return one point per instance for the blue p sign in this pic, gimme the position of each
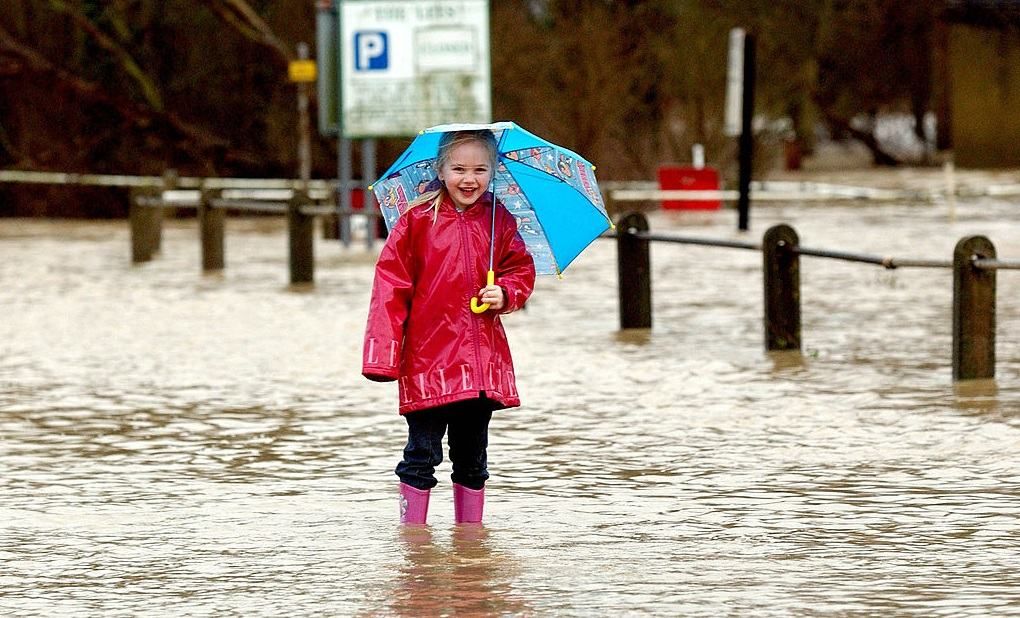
(371, 51)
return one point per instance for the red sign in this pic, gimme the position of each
(682, 178)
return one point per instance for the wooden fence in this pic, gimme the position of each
(299, 206)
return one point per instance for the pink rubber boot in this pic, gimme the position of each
(414, 504)
(468, 504)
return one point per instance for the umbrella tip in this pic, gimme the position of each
(593, 168)
(370, 187)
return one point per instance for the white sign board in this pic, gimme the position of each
(411, 64)
(733, 125)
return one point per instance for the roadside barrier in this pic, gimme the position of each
(300, 201)
(298, 205)
(974, 267)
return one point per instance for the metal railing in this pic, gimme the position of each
(974, 266)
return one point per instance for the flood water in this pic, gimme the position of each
(180, 444)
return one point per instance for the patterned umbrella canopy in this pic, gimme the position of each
(550, 191)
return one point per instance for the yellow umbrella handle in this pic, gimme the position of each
(475, 307)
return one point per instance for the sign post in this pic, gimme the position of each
(740, 77)
(302, 71)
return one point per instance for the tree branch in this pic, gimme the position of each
(242, 18)
(139, 114)
(149, 90)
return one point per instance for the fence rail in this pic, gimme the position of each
(974, 266)
(156, 182)
(300, 207)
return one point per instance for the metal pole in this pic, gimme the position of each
(368, 176)
(746, 155)
(973, 310)
(304, 126)
(344, 186)
(782, 288)
(328, 58)
(634, 272)
(343, 147)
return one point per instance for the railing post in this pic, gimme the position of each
(782, 288)
(973, 310)
(300, 227)
(635, 273)
(141, 216)
(210, 229)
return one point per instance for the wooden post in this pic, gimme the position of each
(635, 273)
(331, 225)
(170, 181)
(973, 310)
(210, 228)
(782, 288)
(142, 221)
(300, 227)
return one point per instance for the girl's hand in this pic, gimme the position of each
(493, 295)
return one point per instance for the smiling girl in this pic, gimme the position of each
(452, 365)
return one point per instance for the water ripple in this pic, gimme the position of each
(205, 445)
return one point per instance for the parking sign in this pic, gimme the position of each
(370, 53)
(410, 64)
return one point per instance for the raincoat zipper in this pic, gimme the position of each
(474, 319)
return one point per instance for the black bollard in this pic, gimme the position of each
(210, 228)
(301, 228)
(973, 310)
(782, 288)
(635, 272)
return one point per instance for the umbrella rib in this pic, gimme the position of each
(552, 254)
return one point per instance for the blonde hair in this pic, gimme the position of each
(432, 199)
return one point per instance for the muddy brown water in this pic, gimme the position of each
(180, 444)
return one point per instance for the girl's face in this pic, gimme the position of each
(467, 173)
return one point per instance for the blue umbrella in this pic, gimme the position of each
(550, 190)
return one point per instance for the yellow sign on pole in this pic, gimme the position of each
(301, 70)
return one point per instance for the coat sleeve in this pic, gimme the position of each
(515, 272)
(388, 310)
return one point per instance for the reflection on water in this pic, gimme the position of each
(464, 574)
(204, 445)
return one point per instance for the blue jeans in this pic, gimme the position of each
(467, 423)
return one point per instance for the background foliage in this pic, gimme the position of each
(138, 86)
